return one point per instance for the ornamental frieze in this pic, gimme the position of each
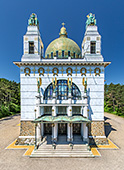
(41, 71)
(27, 71)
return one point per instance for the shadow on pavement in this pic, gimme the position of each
(108, 127)
(9, 117)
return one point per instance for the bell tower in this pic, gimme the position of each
(91, 45)
(32, 42)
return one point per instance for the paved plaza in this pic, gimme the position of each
(14, 159)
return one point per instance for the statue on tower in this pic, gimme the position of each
(33, 21)
(91, 20)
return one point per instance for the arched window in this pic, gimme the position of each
(62, 91)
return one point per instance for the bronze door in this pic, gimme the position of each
(77, 128)
(47, 128)
(62, 128)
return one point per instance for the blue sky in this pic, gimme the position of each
(14, 16)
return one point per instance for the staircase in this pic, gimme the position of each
(46, 150)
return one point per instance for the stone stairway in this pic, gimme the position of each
(46, 150)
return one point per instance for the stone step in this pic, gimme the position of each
(62, 156)
(64, 149)
(58, 153)
(55, 151)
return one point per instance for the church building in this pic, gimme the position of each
(62, 89)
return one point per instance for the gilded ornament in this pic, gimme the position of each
(34, 70)
(76, 70)
(90, 70)
(41, 71)
(83, 71)
(62, 70)
(69, 84)
(54, 83)
(39, 83)
(26, 39)
(69, 71)
(97, 71)
(27, 71)
(53, 124)
(48, 71)
(55, 71)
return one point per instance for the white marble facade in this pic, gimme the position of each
(95, 90)
(92, 65)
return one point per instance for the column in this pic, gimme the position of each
(69, 132)
(55, 125)
(38, 114)
(69, 125)
(42, 125)
(85, 113)
(85, 132)
(82, 131)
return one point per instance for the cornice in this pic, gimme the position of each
(60, 63)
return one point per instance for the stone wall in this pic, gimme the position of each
(27, 128)
(97, 133)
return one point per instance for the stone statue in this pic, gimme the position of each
(91, 20)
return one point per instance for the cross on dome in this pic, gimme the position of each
(63, 24)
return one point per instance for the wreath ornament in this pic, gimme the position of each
(97, 71)
(69, 71)
(55, 71)
(83, 71)
(41, 71)
(27, 71)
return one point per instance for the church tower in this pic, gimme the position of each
(32, 42)
(91, 45)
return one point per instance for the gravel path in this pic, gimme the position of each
(13, 159)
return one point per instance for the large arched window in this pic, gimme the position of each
(62, 91)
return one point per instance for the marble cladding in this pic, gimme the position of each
(95, 87)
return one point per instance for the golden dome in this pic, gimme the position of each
(63, 47)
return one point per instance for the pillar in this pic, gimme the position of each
(42, 125)
(38, 114)
(69, 125)
(55, 125)
(55, 132)
(85, 132)
(69, 132)
(85, 113)
(82, 130)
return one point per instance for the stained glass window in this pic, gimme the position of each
(62, 91)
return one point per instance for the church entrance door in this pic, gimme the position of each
(62, 129)
(77, 128)
(47, 128)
